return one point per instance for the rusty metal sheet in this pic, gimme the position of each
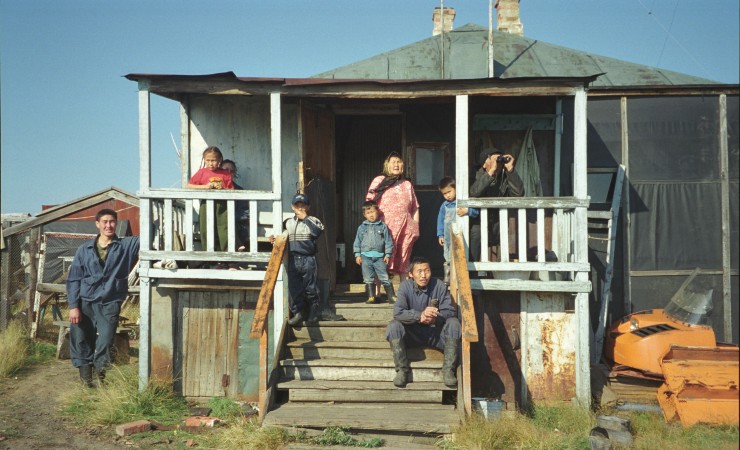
(495, 361)
(550, 339)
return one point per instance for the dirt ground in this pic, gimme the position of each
(30, 416)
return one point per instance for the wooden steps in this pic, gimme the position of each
(340, 374)
(422, 420)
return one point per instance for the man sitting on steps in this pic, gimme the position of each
(424, 316)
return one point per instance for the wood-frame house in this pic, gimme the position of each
(280, 125)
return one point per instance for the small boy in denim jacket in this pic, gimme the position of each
(448, 213)
(373, 247)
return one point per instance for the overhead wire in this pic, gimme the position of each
(668, 33)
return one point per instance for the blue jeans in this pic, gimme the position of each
(372, 267)
(90, 340)
(302, 281)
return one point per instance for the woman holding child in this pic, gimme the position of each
(397, 202)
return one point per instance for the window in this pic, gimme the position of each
(429, 163)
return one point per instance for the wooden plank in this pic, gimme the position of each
(358, 373)
(580, 239)
(145, 138)
(343, 352)
(37, 295)
(530, 285)
(725, 214)
(627, 216)
(351, 395)
(200, 194)
(525, 202)
(360, 385)
(263, 374)
(462, 174)
(423, 419)
(340, 333)
(466, 379)
(503, 228)
(205, 274)
(522, 234)
(261, 258)
(463, 293)
(265, 297)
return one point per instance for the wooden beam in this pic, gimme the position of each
(725, 217)
(463, 292)
(263, 301)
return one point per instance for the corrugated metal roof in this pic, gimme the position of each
(466, 57)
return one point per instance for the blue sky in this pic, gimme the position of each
(69, 118)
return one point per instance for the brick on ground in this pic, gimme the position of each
(139, 426)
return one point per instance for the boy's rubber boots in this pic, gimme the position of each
(370, 293)
(313, 316)
(296, 319)
(390, 293)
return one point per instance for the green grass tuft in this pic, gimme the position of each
(119, 400)
(224, 408)
(15, 347)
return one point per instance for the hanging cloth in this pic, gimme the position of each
(528, 167)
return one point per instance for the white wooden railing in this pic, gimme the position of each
(173, 214)
(550, 275)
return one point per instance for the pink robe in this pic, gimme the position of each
(397, 206)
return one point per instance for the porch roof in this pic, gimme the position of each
(227, 83)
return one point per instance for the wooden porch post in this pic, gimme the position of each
(145, 182)
(276, 145)
(725, 194)
(580, 130)
(461, 159)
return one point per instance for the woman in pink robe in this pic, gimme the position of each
(400, 210)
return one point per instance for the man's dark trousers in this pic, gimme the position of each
(91, 340)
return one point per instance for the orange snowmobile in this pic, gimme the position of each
(640, 340)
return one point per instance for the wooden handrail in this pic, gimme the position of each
(463, 295)
(268, 287)
(462, 292)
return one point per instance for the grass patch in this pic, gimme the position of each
(651, 432)
(15, 347)
(340, 436)
(244, 433)
(548, 427)
(224, 408)
(120, 401)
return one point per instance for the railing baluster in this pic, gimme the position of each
(541, 235)
(189, 224)
(522, 234)
(167, 224)
(253, 221)
(503, 220)
(484, 235)
(231, 221)
(210, 229)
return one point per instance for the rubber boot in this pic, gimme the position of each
(390, 293)
(452, 354)
(401, 360)
(296, 320)
(370, 288)
(326, 313)
(86, 375)
(101, 376)
(313, 316)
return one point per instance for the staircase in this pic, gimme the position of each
(340, 374)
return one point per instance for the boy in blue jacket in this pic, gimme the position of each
(448, 212)
(373, 247)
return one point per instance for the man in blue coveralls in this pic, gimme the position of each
(96, 286)
(424, 316)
